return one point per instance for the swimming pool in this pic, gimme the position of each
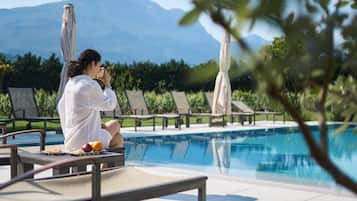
(271, 154)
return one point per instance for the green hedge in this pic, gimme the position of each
(163, 103)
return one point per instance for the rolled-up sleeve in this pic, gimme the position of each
(101, 100)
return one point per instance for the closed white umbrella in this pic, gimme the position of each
(68, 44)
(221, 104)
(222, 90)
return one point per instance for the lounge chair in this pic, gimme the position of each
(246, 109)
(116, 114)
(113, 113)
(7, 158)
(139, 108)
(240, 115)
(183, 109)
(125, 184)
(23, 107)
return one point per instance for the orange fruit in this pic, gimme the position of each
(97, 145)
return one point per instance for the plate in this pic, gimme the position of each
(53, 153)
(80, 152)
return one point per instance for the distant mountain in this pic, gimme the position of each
(123, 31)
(255, 42)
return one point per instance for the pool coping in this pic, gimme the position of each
(203, 128)
(253, 181)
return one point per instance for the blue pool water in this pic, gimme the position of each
(33, 139)
(273, 154)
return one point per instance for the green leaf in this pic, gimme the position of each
(354, 5)
(324, 4)
(190, 17)
(343, 4)
(342, 128)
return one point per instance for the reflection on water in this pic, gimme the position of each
(280, 152)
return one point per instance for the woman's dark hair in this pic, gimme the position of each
(85, 58)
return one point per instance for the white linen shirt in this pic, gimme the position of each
(79, 111)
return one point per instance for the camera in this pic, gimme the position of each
(100, 74)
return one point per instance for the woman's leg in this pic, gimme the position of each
(113, 127)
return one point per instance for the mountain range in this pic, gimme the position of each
(122, 31)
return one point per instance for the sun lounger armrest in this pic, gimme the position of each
(13, 157)
(96, 173)
(22, 132)
(66, 162)
(163, 189)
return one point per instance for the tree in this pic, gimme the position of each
(5, 70)
(313, 24)
(27, 71)
(50, 71)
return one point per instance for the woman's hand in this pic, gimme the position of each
(106, 78)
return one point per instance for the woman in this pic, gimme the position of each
(80, 105)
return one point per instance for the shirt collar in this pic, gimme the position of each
(82, 77)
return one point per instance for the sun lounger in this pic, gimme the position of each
(183, 109)
(240, 115)
(125, 184)
(113, 113)
(6, 157)
(23, 107)
(117, 114)
(246, 109)
(139, 108)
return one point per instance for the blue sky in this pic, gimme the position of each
(263, 30)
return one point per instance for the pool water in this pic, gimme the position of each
(273, 154)
(33, 139)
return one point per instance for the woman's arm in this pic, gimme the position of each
(99, 100)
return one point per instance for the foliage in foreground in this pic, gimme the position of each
(309, 55)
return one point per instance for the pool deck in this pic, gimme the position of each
(203, 128)
(231, 188)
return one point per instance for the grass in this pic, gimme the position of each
(20, 125)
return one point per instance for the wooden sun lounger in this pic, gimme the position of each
(183, 109)
(125, 184)
(240, 115)
(140, 111)
(246, 109)
(24, 107)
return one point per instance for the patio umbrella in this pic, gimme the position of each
(68, 44)
(221, 148)
(222, 90)
(221, 104)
